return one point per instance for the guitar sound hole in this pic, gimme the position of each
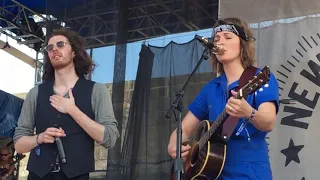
(195, 154)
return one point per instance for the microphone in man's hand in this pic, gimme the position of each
(60, 148)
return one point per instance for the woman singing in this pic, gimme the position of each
(247, 150)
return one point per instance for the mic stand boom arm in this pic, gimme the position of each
(177, 105)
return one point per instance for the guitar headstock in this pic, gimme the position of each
(255, 83)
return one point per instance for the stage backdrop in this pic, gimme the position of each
(291, 47)
(162, 72)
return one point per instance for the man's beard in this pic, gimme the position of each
(60, 64)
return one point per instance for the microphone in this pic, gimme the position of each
(287, 101)
(216, 48)
(58, 140)
(61, 150)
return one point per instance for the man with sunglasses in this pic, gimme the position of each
(67, 109)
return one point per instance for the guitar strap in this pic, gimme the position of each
(231, 122)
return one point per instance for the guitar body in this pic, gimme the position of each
(205, 163)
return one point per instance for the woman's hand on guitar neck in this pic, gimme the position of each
(238, 107)
(172, 148)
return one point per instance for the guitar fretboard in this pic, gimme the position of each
(215, 125)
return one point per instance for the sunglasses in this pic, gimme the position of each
(59, 44)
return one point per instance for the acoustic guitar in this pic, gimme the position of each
(207, 155)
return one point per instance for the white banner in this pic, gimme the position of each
(267, 10)
(293, 51)
(291, 48)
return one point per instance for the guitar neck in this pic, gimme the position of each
(213, 128)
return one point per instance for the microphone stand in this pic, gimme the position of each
(178, 106)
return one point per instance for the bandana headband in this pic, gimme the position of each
(230, 28)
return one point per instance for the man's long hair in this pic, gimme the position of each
(83, 63)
